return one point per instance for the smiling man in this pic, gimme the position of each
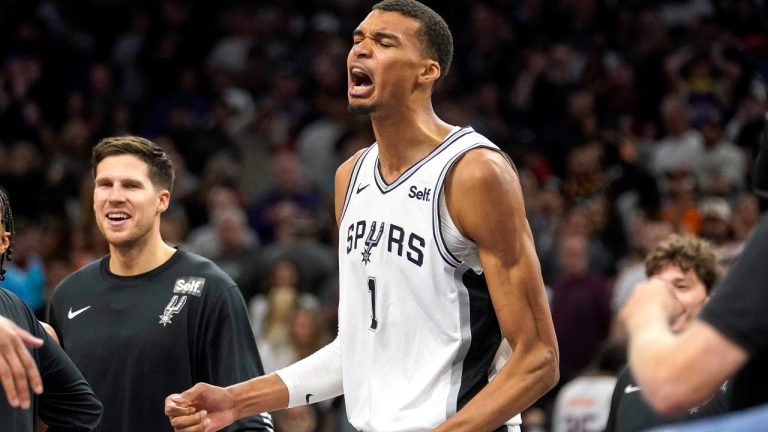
(444, 324)
(149, 319)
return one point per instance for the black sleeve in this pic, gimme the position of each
(760, 176)
(228, 353)
(67, 402)
(621, 381)
(737, 308)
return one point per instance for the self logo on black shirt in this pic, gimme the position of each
(189, 285)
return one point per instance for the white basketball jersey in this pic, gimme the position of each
(419, 336)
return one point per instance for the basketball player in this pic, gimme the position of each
(148, 319)
(689, 265)
(725, 342)
(61, 398)
(443, 320)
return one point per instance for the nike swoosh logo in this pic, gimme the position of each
(361, 188)
(309, 395)
(71, 314)
(631, 388)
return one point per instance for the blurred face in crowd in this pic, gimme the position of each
(688, 289)
(573, 255)
(126, 203)
(385, 61)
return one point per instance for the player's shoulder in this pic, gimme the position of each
(345, 169)
(192, 265)
(480, 165)
(14, 308)
(87, 276)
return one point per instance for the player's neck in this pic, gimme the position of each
(140, 257)
(406, 137)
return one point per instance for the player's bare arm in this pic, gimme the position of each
(208, 408)
(690, 373)
(485, 201)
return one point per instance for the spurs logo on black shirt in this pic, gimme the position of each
(174, 307)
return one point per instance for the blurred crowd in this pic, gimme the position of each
(627, 120)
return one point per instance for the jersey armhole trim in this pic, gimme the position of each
(353, 180)
(437, 231)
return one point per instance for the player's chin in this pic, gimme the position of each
(357, 107)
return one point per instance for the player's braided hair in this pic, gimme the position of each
(434, 32)
(9, 227)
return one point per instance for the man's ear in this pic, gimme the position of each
(431, 72)
(164, 201)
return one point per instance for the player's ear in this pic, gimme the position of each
(430, 72)
(164, 200)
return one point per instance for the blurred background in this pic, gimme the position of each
(628, 120)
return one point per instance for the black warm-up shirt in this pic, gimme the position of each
(739, 310)
(67, 402)
(138, 339)
(631, 413)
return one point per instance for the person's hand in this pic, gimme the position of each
(651, 296)
(203, 408)
(18, 371)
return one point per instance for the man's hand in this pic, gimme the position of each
(18, 371)
(203, 408)
(651, 296)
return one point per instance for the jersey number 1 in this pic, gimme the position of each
(372, 291)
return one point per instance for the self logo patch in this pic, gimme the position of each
(189, 285)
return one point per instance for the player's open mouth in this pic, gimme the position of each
(117, 218)
(360, 83)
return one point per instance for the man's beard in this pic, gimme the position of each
(361, 108)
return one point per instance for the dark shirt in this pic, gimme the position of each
(630, 412)
(739, 310)
(67, 402)
(138, 339)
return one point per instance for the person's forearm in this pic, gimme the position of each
(658, 365)
(259, 395)
(520, 383)
(650, 344)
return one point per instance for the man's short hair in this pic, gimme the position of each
(434, 33)
(688, 253)
(160, 166)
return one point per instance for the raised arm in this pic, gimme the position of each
(486, 203)
(676, 371)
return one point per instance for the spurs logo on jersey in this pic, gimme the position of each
(174, 307)
(395, 241)
(372, 241)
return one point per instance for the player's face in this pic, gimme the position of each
(384, 62)
(5, 237)
(126, 203)
(688, 289)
